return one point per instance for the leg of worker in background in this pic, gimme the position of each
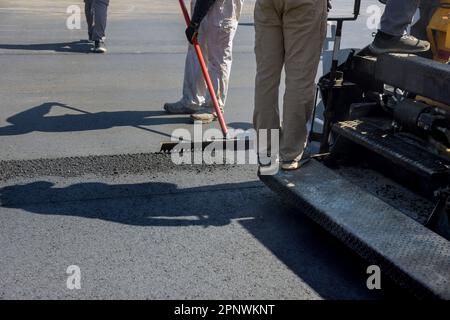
(194, 85)
(222, 22)
(89, 12)
(100, 19)
(215, 35)
(289, 33)
(391, 37)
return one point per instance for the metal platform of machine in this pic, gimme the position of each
(398, 151)
(412, 255)
(412, 73)
(422, 76)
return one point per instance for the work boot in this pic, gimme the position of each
(179, 108)
(385, 43)
(99, 46)
(205, 115)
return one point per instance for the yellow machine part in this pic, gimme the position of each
(439, 33)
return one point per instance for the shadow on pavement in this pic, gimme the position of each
(35, 119)
(318, 259)
(43, 198)
(241, 125)
(82, 46)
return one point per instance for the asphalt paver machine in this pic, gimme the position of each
(389, 114)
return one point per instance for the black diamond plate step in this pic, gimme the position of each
(412, 255)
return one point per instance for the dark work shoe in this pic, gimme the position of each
(99, 47)
(384, 43)
(180, 107)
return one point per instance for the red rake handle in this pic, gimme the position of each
(212, 92)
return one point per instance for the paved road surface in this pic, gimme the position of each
(58, 101)
(136, 225)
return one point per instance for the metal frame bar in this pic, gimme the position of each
(356, 12)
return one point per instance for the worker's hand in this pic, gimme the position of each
(329, 5)
(191, 33)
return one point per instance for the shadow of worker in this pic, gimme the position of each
(82, 46)
(36, 119)
(141, 204)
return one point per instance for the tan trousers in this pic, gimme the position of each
(289, 33)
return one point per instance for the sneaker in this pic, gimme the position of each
(179, 108)
(205, 115)
(290, 165)
(99, 47)
(296, 164)
(385, 43)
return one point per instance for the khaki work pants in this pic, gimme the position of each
(289, 33)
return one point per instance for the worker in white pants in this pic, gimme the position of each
(214, 23)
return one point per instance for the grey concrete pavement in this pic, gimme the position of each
(117, 109)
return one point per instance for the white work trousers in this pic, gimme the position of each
(215, 36)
